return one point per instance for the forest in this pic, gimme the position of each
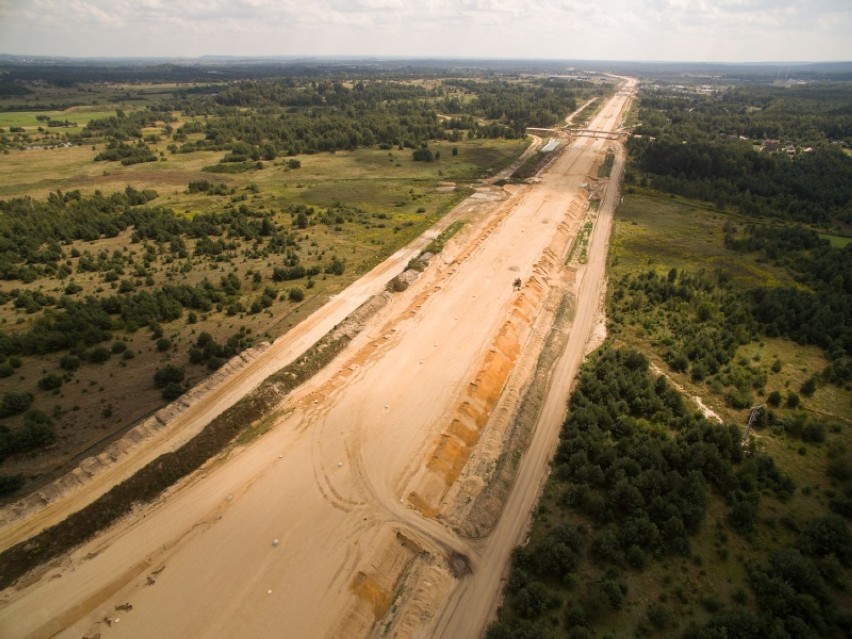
(632, 480)
(716, 148)
(263, 119)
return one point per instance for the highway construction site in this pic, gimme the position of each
(383, 495)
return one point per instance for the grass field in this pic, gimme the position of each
(837, 241)
(659, 231)
(28, 119)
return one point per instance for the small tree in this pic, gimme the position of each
(422, 154)
(809, 387)
(172, 391)
(169, 374)
(14, 402)
(792, 400)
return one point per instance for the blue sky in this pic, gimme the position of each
(687, 30)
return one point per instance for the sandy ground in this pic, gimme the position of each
(333, 524)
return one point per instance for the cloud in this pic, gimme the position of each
(636, 29)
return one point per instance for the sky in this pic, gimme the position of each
(672, 30)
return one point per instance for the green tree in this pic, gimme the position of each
(169, 374)
(15, 402)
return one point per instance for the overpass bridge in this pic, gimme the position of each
(581, 133)
(596, 133)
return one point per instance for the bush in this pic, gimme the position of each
(336, 266)
(422, 155)
(99, 355)
(169, 374)
(10, 483)
(658, 615)
(50, 382)
(14, 402)
(809, 387)
(164, 344)
(296, 295)
(69, 363)
(36, 432)
(828, 535)
(172, 391)
(288, 273)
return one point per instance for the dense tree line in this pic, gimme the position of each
(79, 324)
(260, 120)
(704, 147)
(32, 231)
(705, 319)
(123, 126)
(518, 105)
(636, 464)
(807, 115)
(126, 153)
(812, 187)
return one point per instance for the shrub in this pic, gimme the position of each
(10, 483)
(172, 391)
(336, 266)
(658, 615)
(36, 432)
(14, 402)
(422, 155)
(99, 355)
(169, 374)
(774, 399)
(809, 387)
(296, 295)
(50, 382)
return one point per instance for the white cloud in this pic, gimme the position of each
(633, 29)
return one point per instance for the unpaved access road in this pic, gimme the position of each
(337, 521)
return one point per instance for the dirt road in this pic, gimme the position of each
(333, 523)
(473, 603)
